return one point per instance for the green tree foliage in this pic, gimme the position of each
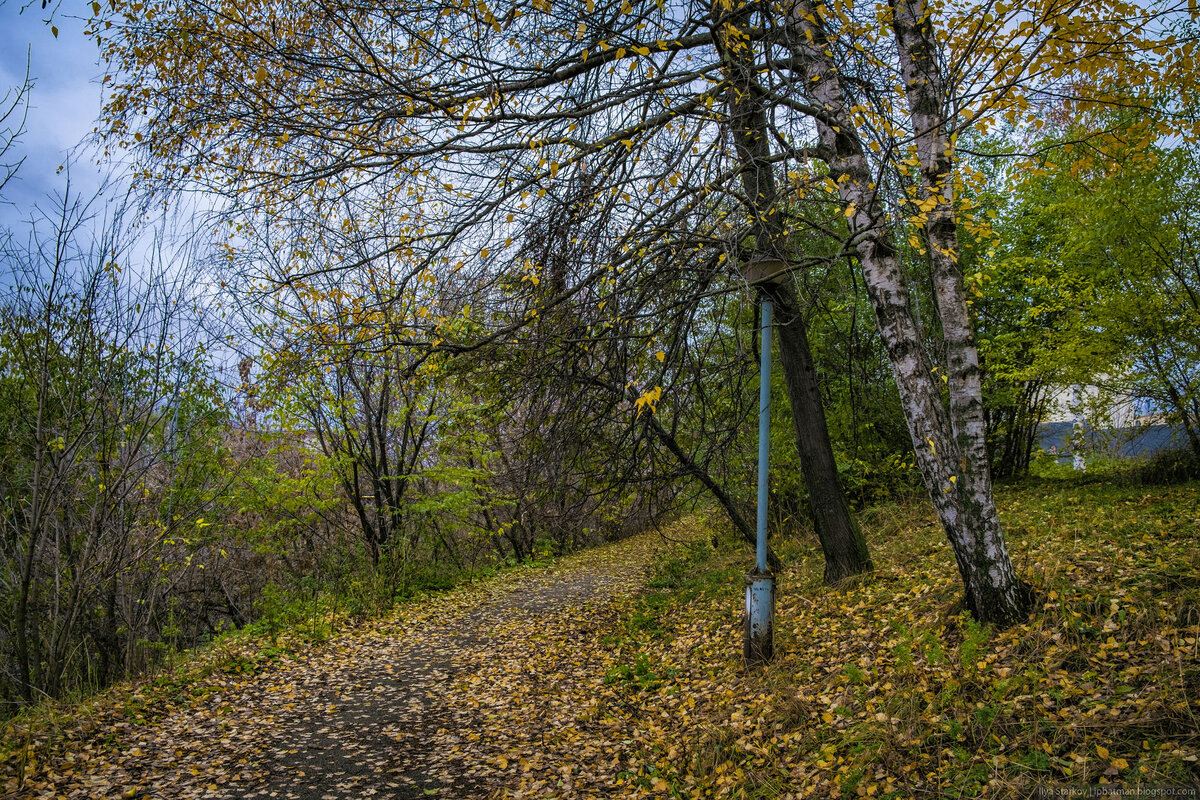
(451, 130)
(1132, 251)
(112, 455)
(1093, 281)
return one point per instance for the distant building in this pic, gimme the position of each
(1099, 407)
(1089, 419)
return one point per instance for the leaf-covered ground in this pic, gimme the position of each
(602, 678)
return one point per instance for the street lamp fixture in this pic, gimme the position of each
(765, 270)
(758, 643)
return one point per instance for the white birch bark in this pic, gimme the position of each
(948, 442)
(989, 565)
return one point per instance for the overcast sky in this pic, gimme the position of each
(64, 104)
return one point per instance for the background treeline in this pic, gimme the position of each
(159, 488)
(178, 459)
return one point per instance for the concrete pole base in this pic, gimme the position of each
(758, 644)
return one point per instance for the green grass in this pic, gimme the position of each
(887, 688)
(882, 687)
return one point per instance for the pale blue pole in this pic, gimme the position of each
(758, 644)
(764, 432)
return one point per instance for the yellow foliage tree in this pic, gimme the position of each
(693, 125)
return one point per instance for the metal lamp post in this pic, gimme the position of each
(758, 644)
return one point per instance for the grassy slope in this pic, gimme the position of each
(886, 688)
(883, 688)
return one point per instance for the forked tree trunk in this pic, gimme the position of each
(950, 443)
(841, 539)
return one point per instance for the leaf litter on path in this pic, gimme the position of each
(414, 705)
(578, 682)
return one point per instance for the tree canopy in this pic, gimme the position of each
(435, 140)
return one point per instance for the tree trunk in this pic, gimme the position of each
(1177, 400)
(949, 444)
(1012, 431)
(841, 539)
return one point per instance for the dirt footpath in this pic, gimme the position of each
(395, 716)
(486, 691)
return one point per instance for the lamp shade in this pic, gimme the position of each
(758, 271)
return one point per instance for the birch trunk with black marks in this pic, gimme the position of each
(949, 442)
(842, 542)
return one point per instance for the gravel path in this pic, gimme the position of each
(462, 696)
(384, 720)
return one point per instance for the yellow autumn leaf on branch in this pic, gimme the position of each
(649, 399)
